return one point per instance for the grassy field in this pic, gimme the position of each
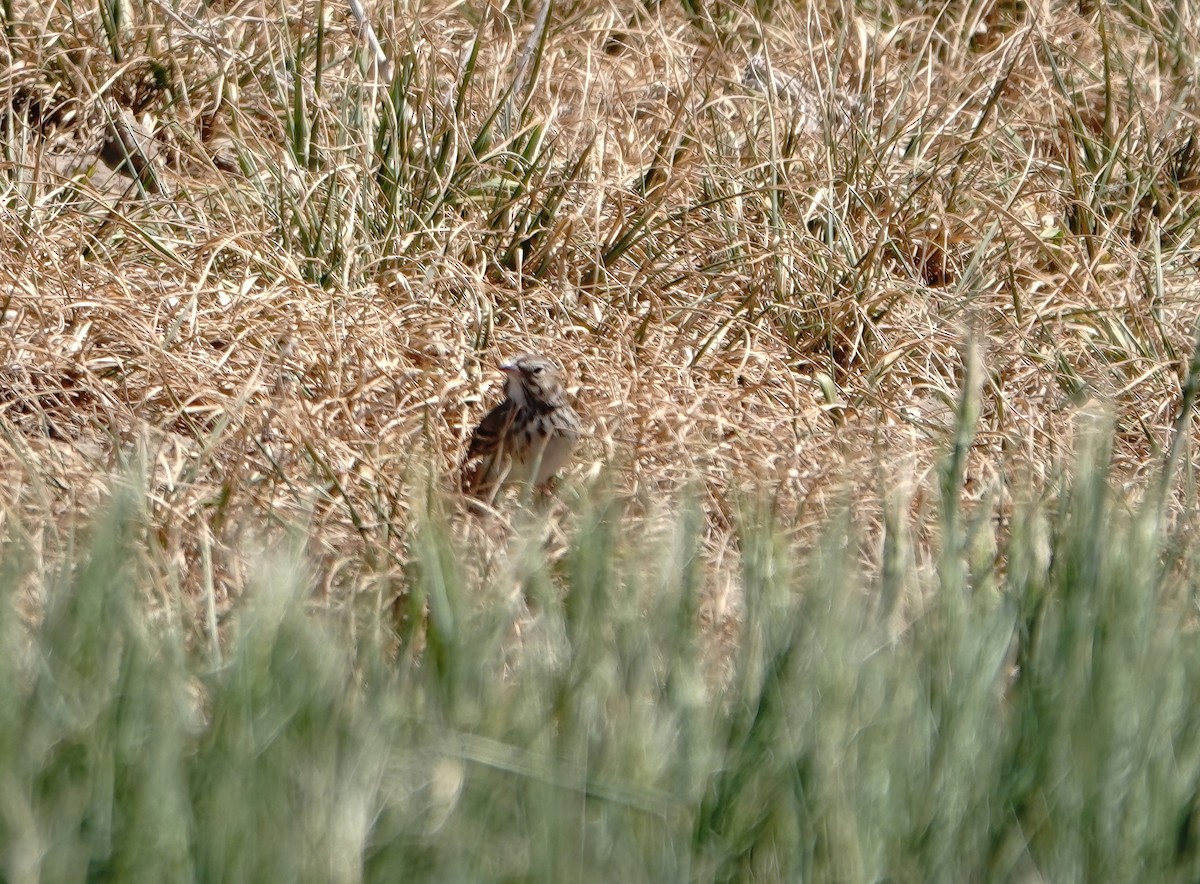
(876, 561)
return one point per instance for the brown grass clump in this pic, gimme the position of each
(273, 284)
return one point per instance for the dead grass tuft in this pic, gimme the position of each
(236, 260)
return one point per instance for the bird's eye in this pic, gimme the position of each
(539, 369)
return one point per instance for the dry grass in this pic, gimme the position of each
(230, 260)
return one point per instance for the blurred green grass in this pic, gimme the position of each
(1034, 717)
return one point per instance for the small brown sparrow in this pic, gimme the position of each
(529, 436)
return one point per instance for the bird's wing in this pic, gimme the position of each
(480, 464)
(486, 438)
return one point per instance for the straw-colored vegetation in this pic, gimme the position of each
(239, 257)
(836, 285)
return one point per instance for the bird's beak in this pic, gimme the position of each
(509, 367)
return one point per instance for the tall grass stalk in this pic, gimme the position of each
(1034, 723)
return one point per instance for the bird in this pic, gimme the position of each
(527, 438)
